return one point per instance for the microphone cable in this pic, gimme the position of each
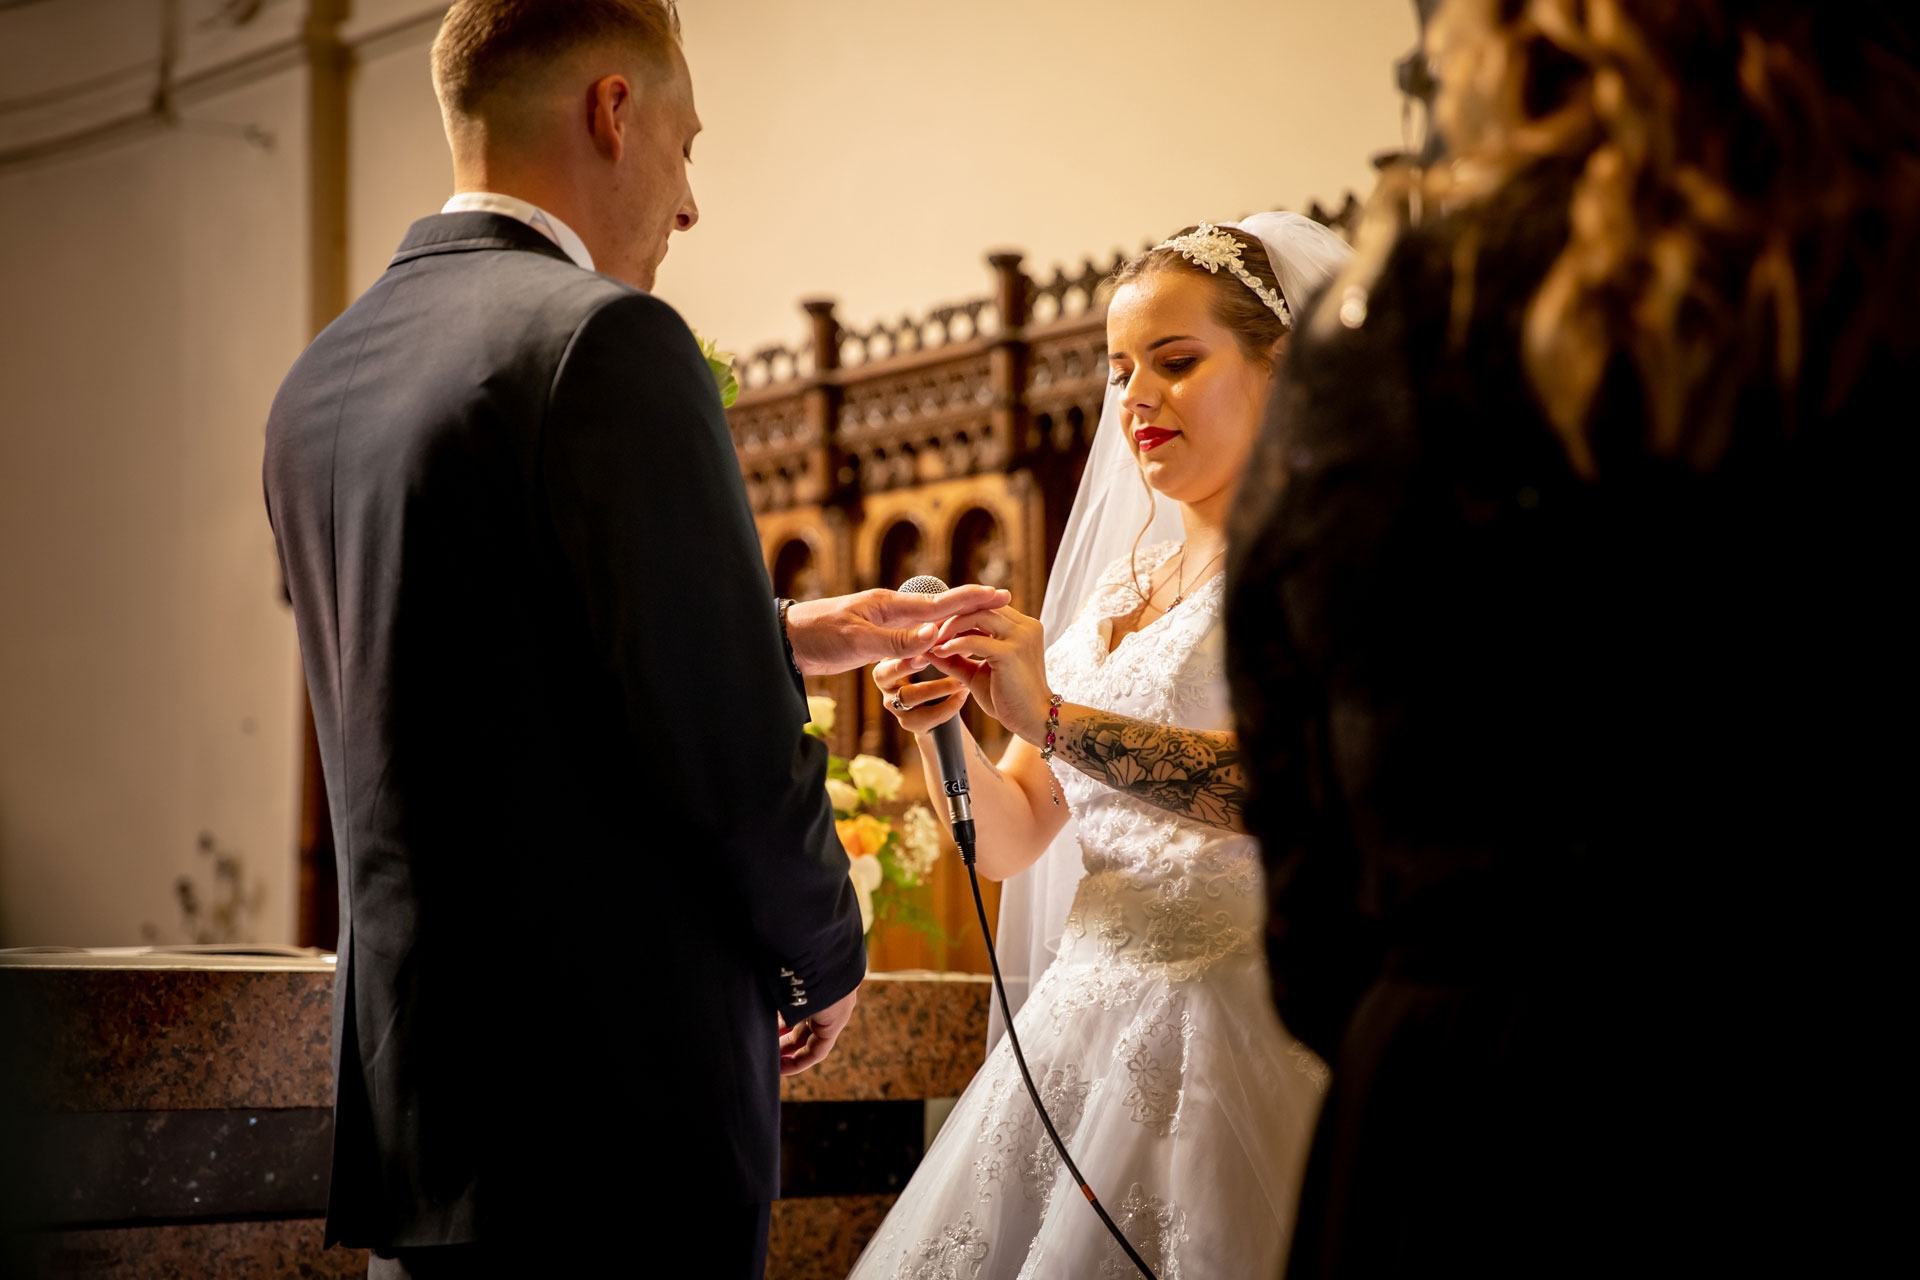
(963, 836)
(953, 769)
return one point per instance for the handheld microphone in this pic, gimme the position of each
(948, 755)
(953, 780)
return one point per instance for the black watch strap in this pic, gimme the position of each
(781, 605)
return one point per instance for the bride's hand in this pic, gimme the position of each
(1001, 657)
(908, 701)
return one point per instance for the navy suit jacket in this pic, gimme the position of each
(586, 849)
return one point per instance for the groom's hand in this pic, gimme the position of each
(813, 1039)
(844, 632)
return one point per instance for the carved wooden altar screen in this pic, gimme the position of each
(950, 445)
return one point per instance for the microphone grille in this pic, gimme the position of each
(924, 585)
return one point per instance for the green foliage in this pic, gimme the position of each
(904, 900)
(910, 909)
(720, 365)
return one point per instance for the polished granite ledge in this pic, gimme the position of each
(282, 1250)
(816, 1239)
(128, 1168)
(147, 1036)
(912, 1035)
(188, 1097)
(820, 1238)
(233, 1033)
(104, 1168)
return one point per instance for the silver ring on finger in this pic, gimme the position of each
(896, 704)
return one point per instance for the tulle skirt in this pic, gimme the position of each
(1186, 1105)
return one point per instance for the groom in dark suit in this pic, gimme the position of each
(590, 871)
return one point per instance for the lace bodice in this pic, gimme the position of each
(1160, 889)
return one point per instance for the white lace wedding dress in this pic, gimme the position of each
(1152, 1035)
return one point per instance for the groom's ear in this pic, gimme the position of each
(610, 115)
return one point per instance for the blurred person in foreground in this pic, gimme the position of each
(592, 901)
(1562, 643)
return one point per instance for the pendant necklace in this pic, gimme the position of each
(1180, 576)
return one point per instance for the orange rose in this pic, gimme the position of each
(862, 836)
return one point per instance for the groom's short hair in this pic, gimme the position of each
(486, 45)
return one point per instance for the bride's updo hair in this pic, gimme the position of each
(1255, 325)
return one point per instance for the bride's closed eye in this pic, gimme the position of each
(1175, 364)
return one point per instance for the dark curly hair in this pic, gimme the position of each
(1738, 161)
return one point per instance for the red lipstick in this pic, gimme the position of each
(1150, 438)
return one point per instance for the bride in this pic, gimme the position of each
(1150, 1028)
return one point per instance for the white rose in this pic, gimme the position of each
(866, 875)
(820, 710)
(845, 798)
(876, 775)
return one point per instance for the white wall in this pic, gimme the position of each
(398, 165)
(874, 150)
(154, 294)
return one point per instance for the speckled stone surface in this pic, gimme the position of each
(211, 1251)
(93, 1168)
(192, 1039)
(820, 1237)
(918, 1036)
(167, 1039)
(178, 1039)
(812, 1239)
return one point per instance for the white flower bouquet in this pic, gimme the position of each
(891, 856)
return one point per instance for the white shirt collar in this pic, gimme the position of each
(531, 214)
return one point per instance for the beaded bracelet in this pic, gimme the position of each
(1046, 752)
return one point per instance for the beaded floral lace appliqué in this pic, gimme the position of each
(1157, 1229)
(1066, 993)
(955, 1254)
(1012, 1136)
(1155, 1051)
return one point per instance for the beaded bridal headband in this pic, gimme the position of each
(1210, 247)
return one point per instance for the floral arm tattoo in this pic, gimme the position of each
(1189, 772)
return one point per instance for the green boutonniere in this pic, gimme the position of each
(720, 365)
